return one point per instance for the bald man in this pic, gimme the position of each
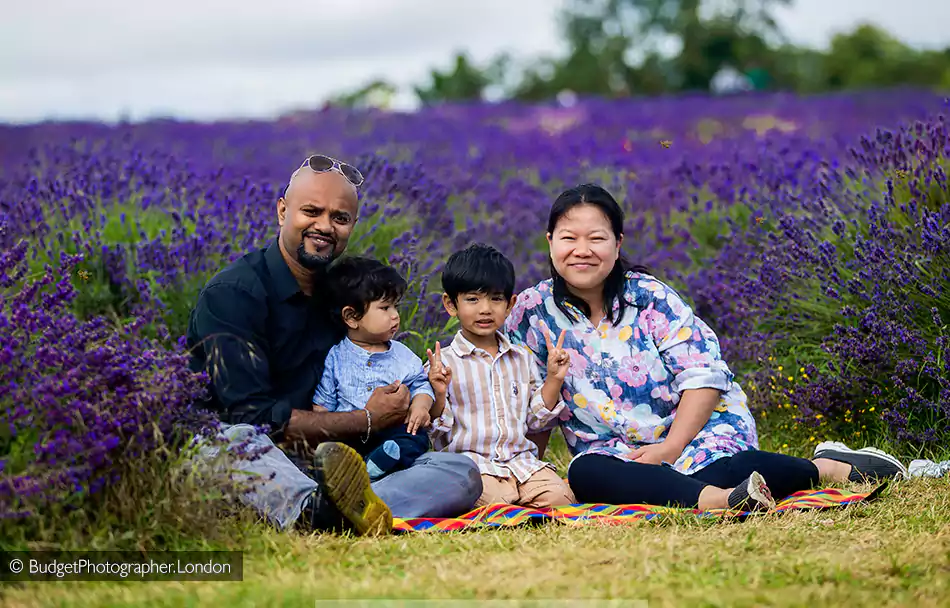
(261, 330)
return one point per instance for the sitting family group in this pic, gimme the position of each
(298, 340)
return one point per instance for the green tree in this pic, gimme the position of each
(465, 81)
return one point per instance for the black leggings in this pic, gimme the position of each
(598, 478)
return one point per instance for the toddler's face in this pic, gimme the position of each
(380, 323)
(480, 314)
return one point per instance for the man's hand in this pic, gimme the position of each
(388, 404)
(418, 417)
(657, 453)
(558, 359)
(440, 376)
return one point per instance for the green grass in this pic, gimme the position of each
(890, 552)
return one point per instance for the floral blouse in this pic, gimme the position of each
(625, 381)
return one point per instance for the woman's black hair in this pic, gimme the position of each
(614, 284)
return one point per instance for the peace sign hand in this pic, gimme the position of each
(440, 376)
(558, 359)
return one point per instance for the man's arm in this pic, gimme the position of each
(386, 406)
(230, 327)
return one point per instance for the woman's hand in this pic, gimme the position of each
(657, 453)
(558, 359)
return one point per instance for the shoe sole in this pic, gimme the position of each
(759, 490)
(840, 447)
(348, 486)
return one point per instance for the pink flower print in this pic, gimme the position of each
(696, 337)
(589, 350)
(531, 339)
(615, 390)
(661, 392)
(677, 306)
(515, 317)
(654, 323)
(658, 291)
(700, 457)
(530, 298)
(633, 370)
(691, 360)
(578, 363)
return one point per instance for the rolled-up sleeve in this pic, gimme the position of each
(230, 329)
(540, 418)
(688, 347)
(418, 379)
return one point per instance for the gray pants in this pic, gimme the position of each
(438, 484)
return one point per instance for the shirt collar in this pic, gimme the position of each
(284, 281)
(353, 348)
(465, 348)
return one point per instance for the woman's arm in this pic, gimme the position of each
(695, 407)
(690, 353)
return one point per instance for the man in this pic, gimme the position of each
(260, 330)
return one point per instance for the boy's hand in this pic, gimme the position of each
(440, 376)
(558, 359)
(418, 418)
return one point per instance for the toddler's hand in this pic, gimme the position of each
(418, 418)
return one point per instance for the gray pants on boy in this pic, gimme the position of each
(438, 484)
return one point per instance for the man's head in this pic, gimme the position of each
(317, 215)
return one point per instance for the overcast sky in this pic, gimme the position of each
(252, 58)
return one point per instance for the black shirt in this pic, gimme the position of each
(262, 341)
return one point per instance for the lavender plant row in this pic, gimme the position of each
(811, 231)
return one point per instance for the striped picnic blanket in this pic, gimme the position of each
(506, 516)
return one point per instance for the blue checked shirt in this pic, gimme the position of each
(351, 374)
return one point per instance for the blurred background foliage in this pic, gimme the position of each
(623, 48)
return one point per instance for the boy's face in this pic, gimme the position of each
(379, 324)
(479, 314)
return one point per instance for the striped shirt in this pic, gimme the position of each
(352, 373)
(492, 403)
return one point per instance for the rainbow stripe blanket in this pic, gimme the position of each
(507, 516)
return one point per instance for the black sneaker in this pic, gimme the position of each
(344, 499)
(752, 494)
(867, 464)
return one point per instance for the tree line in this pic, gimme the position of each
(621, 48)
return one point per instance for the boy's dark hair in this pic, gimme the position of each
(358, 281)
(478, 268)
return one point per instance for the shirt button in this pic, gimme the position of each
(368, 387)
(369, 364)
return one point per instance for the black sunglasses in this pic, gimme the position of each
(320, 163)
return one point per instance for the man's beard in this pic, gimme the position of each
(312, 261)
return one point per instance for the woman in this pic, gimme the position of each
(654, 413)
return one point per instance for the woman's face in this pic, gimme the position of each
(583, 247)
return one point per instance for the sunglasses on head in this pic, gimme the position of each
(320, 163)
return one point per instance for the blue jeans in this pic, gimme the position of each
(438, 484)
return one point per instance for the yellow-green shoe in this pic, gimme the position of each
(340, 473)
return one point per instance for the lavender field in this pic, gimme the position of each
(812, 234)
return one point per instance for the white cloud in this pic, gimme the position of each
(209, 59)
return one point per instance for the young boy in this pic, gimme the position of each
(488, 392)
(365, 293)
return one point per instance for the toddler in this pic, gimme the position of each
(365, 294)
